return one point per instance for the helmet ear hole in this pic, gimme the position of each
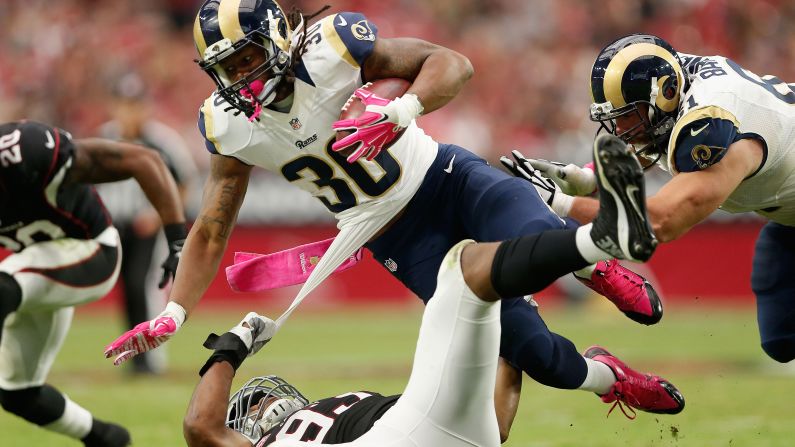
(670, 88)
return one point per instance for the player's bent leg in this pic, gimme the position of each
(66, 272)
(31, 341)
(49, 409)
(526, 341)
(543, 355)
(449, 399)
(527, 265)
(495, 206)
(774, 286)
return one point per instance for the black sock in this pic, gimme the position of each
(531, 263)
(39, 405)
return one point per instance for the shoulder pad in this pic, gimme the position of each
(701, 138)
(351, 35)
(31, 152)
(214, 124)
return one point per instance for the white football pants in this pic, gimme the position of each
(449, 400)
(54, 277)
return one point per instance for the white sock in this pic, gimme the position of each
(75, 422)
(599, 378)
(588, 249)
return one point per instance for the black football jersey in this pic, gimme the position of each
(335, 420)
(35, 206)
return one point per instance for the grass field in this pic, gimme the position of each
(735, 396)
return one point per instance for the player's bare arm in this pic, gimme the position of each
(223, 194)
(201, 255)
(692, 196)
(204, 421)
(100, 161)
(438, 73)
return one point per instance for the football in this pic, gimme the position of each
(389, 88)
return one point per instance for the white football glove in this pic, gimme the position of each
(549, 191)
(572, 179)
(255, 331)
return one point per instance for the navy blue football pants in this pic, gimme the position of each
(773, 282)
(476, 201)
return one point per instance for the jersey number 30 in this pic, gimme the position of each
(356, 172)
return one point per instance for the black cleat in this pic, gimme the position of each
(622, 228)
(107, 434)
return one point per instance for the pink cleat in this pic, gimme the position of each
(644, 392)
(630, 292)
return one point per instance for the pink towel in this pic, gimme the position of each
(252, 272)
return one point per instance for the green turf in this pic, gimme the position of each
(735, 396)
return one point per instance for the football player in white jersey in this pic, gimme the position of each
(449, 400)
(726, 135)
(280, 86)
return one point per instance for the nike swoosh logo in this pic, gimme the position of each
(342, 21)
(631, 190)
(50, 144)
(694, 132)
(449, 168)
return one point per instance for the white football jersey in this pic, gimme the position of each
(723, 104)
(297, 144)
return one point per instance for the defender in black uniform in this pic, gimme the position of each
(65, 253)
(450, 397)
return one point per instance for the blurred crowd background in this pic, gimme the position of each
(61, 62)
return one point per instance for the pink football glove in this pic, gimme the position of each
(147, 335)
(381, 122)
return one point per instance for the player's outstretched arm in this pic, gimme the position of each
(201, 256)
(556, 183)
(692, 196)
(689, 197)
(100, 161)
(223, 194)
(205, 421)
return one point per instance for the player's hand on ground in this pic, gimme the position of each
(380, 124)
(549, 191)
(572, 179)
(255, 331)
(147, 335)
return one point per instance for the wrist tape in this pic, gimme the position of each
(228, 348)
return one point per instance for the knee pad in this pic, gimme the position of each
(10, 295)
(40, 405)
(781, 350)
